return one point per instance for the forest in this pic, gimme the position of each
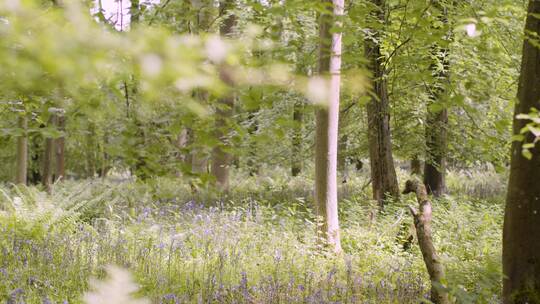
(269, 151)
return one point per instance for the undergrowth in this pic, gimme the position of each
(254, 245)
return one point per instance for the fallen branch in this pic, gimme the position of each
(422, 223)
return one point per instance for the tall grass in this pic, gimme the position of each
(255, 245)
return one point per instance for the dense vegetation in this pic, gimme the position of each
(255, 245)
(247, 151)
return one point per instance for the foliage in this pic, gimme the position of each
(254, 245)
(141, 100)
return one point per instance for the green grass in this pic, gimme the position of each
(255, 245)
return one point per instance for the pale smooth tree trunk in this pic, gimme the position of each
(22, 152)
(521, 235)
(327, 120)
(221, 158)
(60, 150)
(48, 158)
(383, 173)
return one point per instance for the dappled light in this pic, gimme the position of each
(329, 151)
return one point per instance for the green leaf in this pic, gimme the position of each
(527, 154)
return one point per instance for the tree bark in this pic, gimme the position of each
(60, 149)
(383, 173)
(342, 155)
(327, 119)
(22, 152)
(422, 223)
(297, 157)
(221, 158)
(47, 175)
(521, 235)
(437, 120)
(416, 166)
(253, 163)
(435, 164)
(35, 159)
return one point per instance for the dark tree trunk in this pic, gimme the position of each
(383, 173)
(521, 236)
(60, 150)
(416, 166)
(342, 154)
(48, 159)
(36, 163)
(22, 152)
(437, 120)
(252, 163)
(297, 157)
(435, 164)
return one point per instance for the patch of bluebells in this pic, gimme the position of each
(192, 253)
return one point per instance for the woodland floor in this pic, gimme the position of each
(255, 245)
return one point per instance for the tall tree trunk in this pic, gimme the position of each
(221, 158)
(435, 164)
(48, 159)
(60, 149)
(22, 152)
(297, 157)
(383, 174)
(437, 120)
(521, 236)
(327, 118)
